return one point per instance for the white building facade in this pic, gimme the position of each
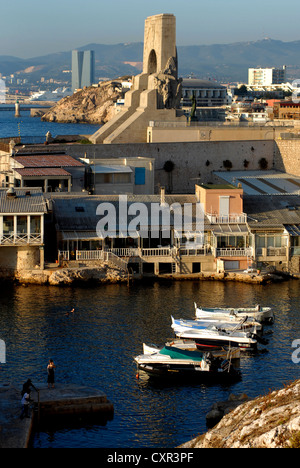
(266, 76)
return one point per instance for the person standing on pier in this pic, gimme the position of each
(25, 405)
(50, 369)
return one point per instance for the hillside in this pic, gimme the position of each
(270, 421)
(93, 105)
(223, 62)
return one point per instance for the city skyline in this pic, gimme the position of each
(39, 30)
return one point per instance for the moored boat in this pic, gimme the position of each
(213, 337)
(242, 325)
(257, 313)
(220, 352)
(175, 363)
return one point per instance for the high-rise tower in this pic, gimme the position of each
(83, 68)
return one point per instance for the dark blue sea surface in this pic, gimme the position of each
(26, 126)
(95, 346)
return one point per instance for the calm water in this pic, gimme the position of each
(96, 347)
(25, 126)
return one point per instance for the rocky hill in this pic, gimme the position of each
(271, 421)
(93, 105)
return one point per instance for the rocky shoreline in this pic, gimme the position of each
(269, 421)
(107, 274)
(92, 105)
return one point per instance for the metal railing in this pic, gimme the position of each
(89, 255)
(232, 252)
(240, 218)
(21, 239)
(157, 252)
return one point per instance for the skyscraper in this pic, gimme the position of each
(83, 68)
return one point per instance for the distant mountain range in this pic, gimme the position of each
(222, 62)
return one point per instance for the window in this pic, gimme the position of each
(140, 176)
(35, 225)
(8, 225)
(122, 178)
(22, 224)
(104, 178)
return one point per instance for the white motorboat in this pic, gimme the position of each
(242, 325)
(212, 336)
(173, 363)
(257, 313)
(190, 345)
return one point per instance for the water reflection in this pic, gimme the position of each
(96, 345)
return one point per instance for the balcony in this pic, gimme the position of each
(233, 252)
(20, 239)
(227, 219)
(272, 253)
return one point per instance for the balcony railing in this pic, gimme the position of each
(227, 219)
(157, 252)
(272, 252)
(232, 252)
(195, 251)
(20, 239)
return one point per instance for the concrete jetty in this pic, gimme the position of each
(69, 403)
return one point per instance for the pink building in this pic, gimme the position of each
(229, 234)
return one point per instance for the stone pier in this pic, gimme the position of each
(70, 403)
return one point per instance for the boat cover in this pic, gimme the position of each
(176, 353)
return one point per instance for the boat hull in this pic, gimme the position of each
(207, 344)
(217, 351)
(188, 373)
(262, 315)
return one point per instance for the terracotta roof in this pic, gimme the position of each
(48, 160)
(43, 172)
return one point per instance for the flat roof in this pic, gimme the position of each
(219, 186)
(98, 169)
(262, 182)
(198, 83)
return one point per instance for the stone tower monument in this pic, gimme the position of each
(156, 92)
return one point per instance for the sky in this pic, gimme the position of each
(33, 27)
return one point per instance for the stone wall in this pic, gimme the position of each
(19, 258)
(287, 156)
(194, 161)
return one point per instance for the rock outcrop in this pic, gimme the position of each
(92, 105)
(67, 276)
(270, 421)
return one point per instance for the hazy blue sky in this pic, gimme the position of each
(32, 27)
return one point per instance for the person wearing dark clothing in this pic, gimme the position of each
(50, 369)
(27, 386)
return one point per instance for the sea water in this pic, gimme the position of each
(95, 346)
(26, 126)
